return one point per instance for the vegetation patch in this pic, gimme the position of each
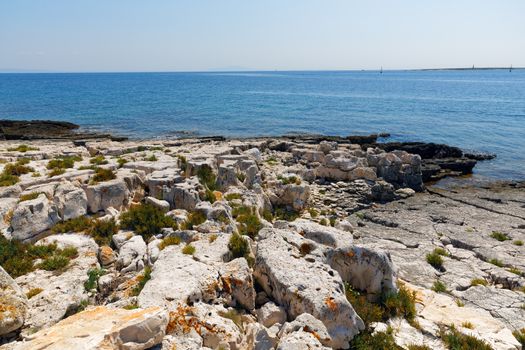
(439, 287)
(188, 249)
(232, 196)
(79, 224)
(479, 282)
(121, 162)
(377, 341)
(195, 218)
(98, 160)
(151, 158)
(289, 180)
(171, 240)
(141, 281)
(435, 259)
(103, 174)
(146, 220)
(18, 258)
(102, 231)
(500, 236)
(238, 246)
(284, 213)
(496, 262)
(93, 276)
(520, 336)
(518, 242)
(63, 162)
(456, 340)
(249, 223)
(29, 196)
(23, 148)
(33, 292)
(12, 172)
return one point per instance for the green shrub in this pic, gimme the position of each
(17, 169)
(103, 174)
(98, 160)
(456, 340)
(241, 177)
(289, 180)
(63, 162)
(518, 242)
(323, 222)
(151, 158)
(87, 167)
(271, 161)
(207, 178)
(54, 262)
(195, 218)
(435, 260)
(439, 287)
(146, 220)
(29, 196)
(33, 292)
(8, 180)
(369, 312)
(102, 231)
(213, 237)
(232, 196)
(79, 224)
(400, 304)
(496, 262)
(171, 240)
(267, 215)
(121, 162)
(478, 282)
(499, 236)
(514, 270)
(142, 280)
(188, 249)
(284, 213)
(520, 336)
(23, 148)
(56, 172)
(93, 276)
(441, 251)
(183, 163)
(238, 246)
(418, 347)
(377, 341)
(313, 213)
(249, 224)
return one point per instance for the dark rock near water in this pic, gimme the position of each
(46, 129)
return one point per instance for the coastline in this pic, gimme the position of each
(337, 213)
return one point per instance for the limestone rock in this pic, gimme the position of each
(132, 255)
(113, 193)
(270, 314)
(33, 217)
(102, 328)
(237, 280)
(13, 304)
(70, 200)
(305, 287)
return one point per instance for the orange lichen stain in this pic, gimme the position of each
(218, 196)
(183, 320)
(329, 301)
(350, 253)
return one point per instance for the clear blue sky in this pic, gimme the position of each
(189, 35)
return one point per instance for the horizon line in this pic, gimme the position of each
(29, 71)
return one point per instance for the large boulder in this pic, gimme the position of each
(102, 328)
(132, 255)
(13, 304)
(305, 286)
(70, 200)
(32, 217)
(113, 193)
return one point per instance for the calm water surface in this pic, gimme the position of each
(480, 110)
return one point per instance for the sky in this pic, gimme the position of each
(203, 35)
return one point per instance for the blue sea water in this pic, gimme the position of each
(481, 110)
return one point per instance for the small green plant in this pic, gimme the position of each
(520, 336)
(146, 220)
(79, 224)
(324, 222)
(188, 249)
(63, 162)
(435, 260)
(400, 304)
(102, 231)
(141, 281)
(456, 340)
(213, 237)
(376, 341)
(56, 172)
(195, 218)
(271, 160)
(241, 177)
(232, 196)
(12, 171)
(478, 282)
(87, 167)
(98, 160)
(8, 180)
(36, 174)
(29, 196)
(33, 292)
(499, 236)
(441, 251)
(238, 246)
(103, 174)
(467, 324)
(151, 158)
(418, 347)
(249, 224)
(267, 215)
(459, 303)
(206, 177)
(496, 262)
(439, 287)
(284, 213)
(121, 162)
(183, 163)
(93, 276)
(171, 240)
(514, 270)
(313, 213)
(518, 243)
(23, 148)
(289, 180)
(54, 262)
(131, 306)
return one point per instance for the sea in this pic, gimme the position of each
(480, 110)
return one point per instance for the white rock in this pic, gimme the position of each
(33, 217)
(70, 200)
(270, 314)
(113, 193)
(132, 255)
(13, 302)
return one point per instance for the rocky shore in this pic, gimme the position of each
(272, 243)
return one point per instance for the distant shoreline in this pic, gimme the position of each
(13, 71)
